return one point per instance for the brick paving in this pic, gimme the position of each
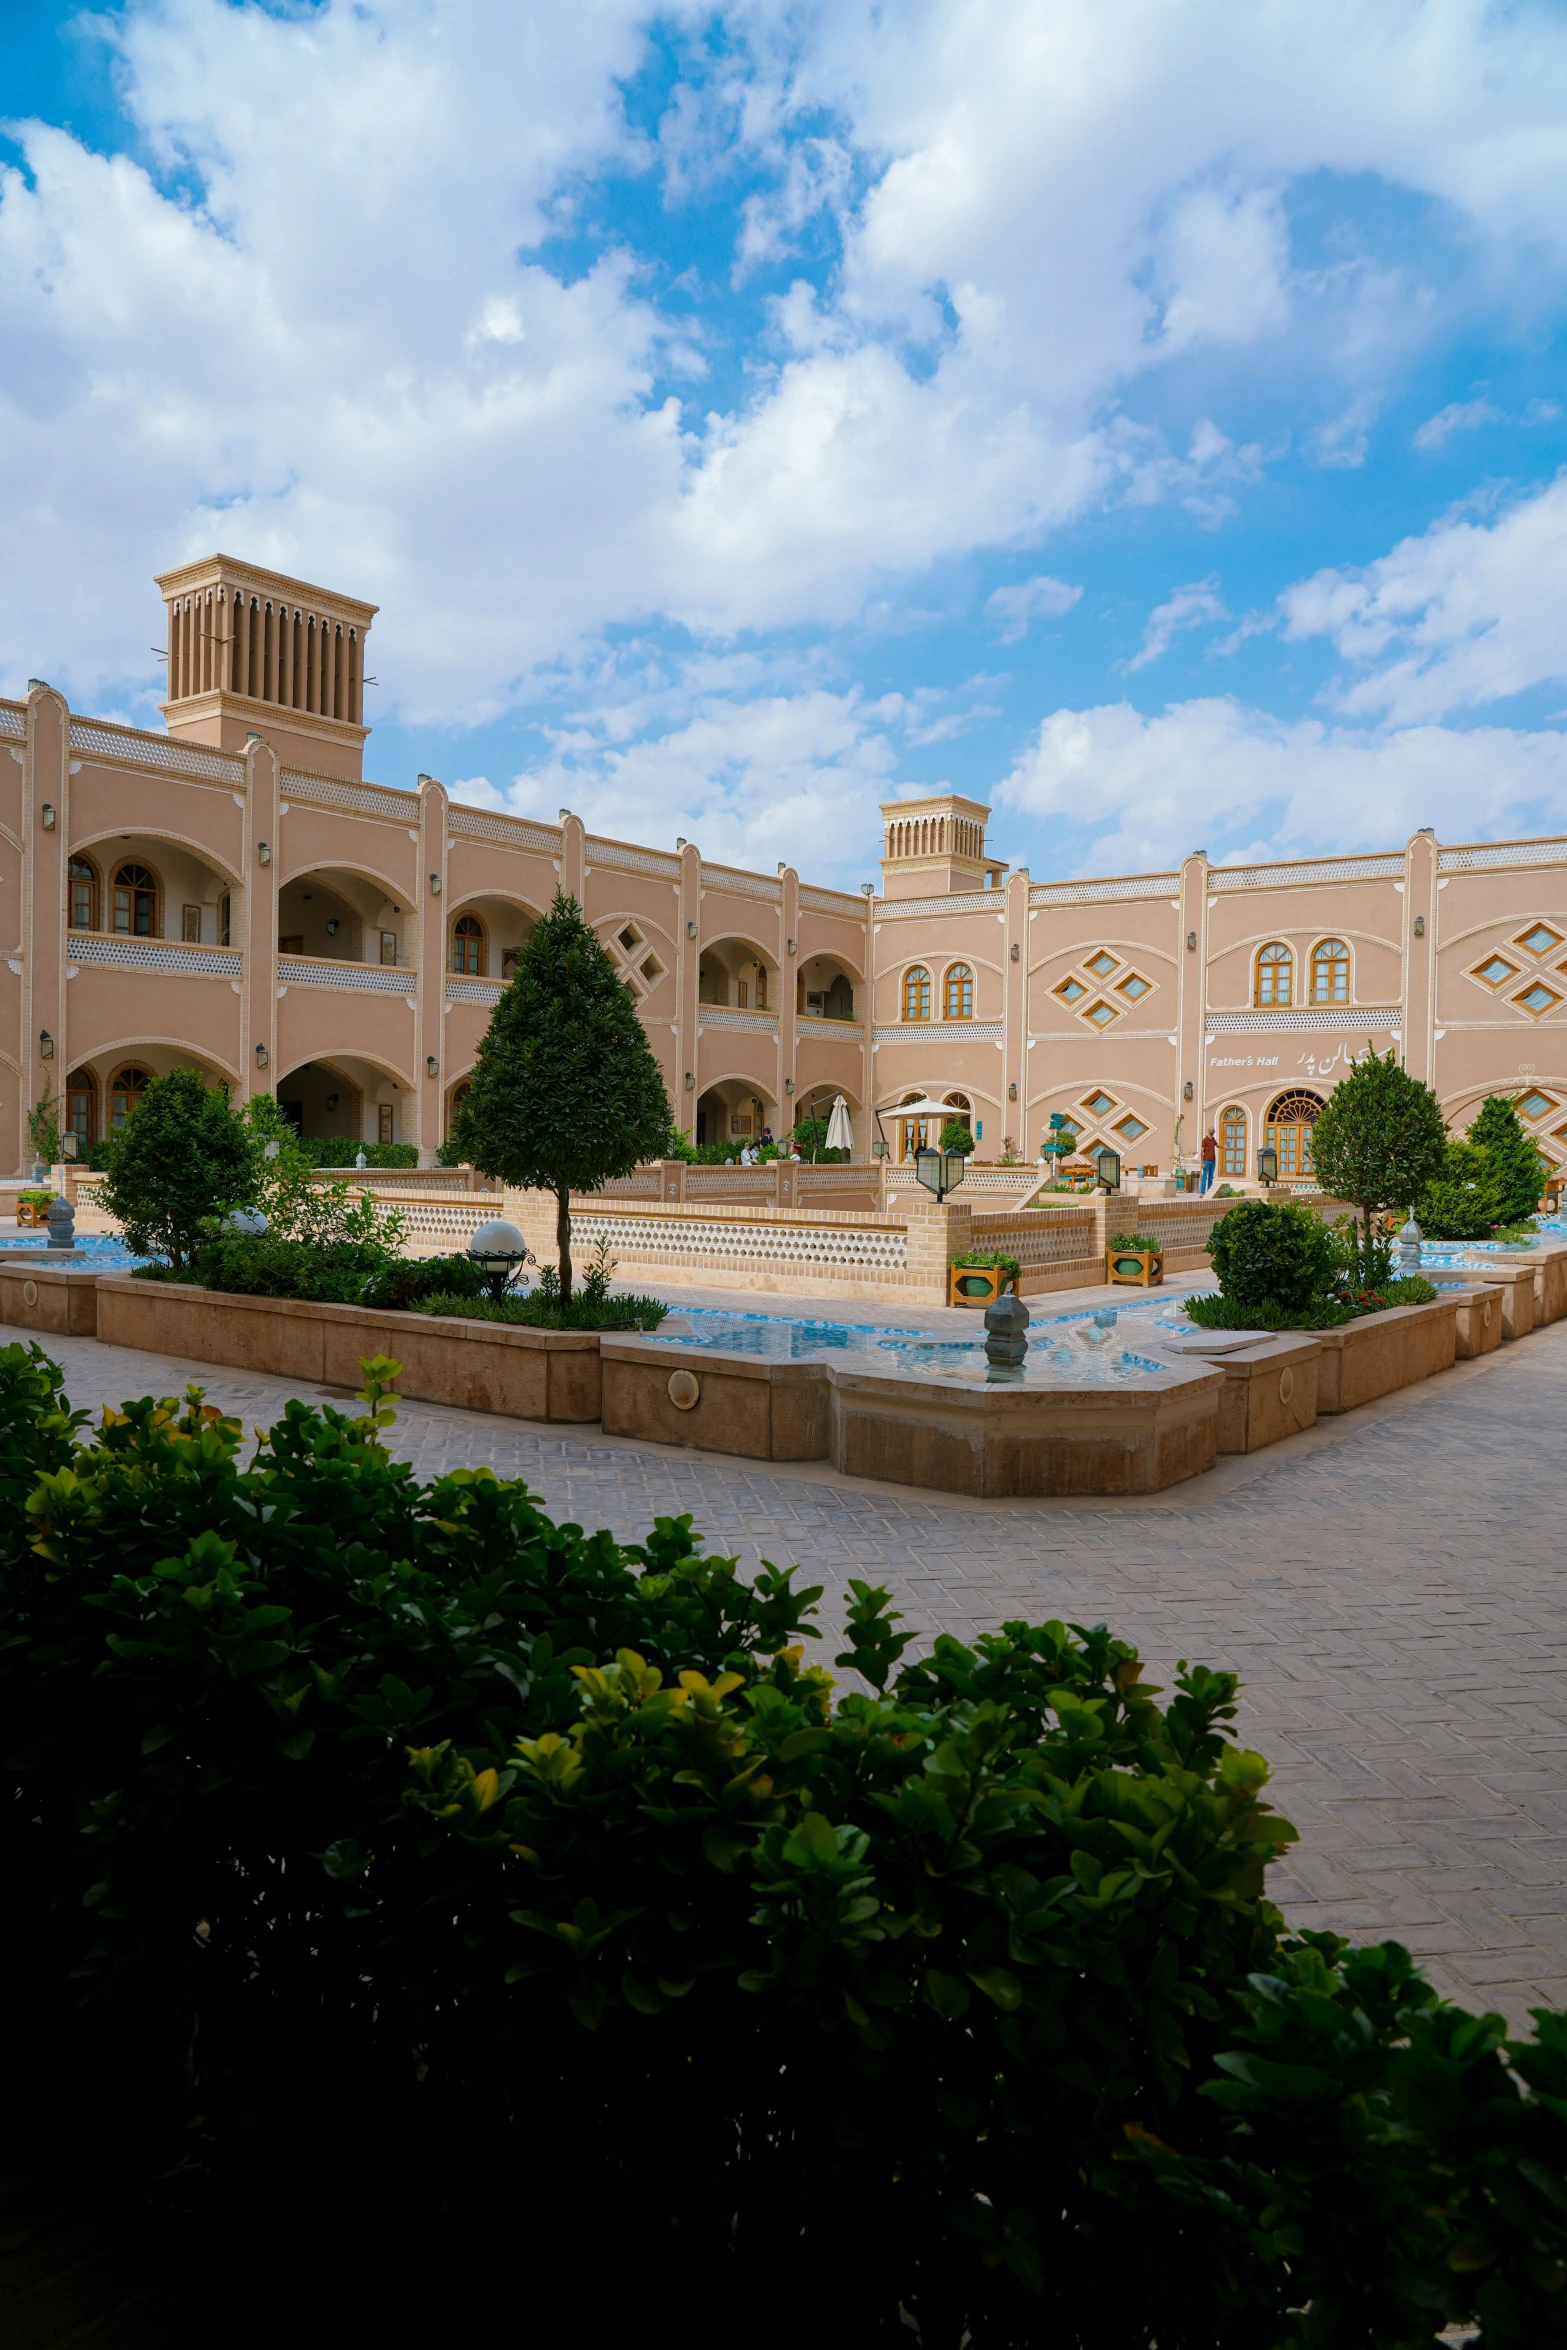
(1389, 1588)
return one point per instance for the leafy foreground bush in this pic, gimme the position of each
(431, 1911)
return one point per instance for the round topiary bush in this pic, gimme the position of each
(1272, 1253)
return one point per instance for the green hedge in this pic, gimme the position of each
(342, 1150)
(408, 1892)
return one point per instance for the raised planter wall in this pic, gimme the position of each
(483, 1366)
(49, 1300)
(1515, 1282)
(1383, 1352)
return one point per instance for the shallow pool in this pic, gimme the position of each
(101, 1251)
(1068, 1346)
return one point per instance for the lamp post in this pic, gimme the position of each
(1107, 1166)
(939, 1171)
(500, 1252)
(1267, 1165)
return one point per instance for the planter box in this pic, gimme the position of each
(1135, 1268)
(1270, 1384)
(1479, 1319)
(1516, 1283)
(48, 1298)
(1383, 1352)
(28, 1213)
(977, 1285)
(482, 1366)
(764, 1411)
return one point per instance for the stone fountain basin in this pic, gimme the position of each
(959, 1432)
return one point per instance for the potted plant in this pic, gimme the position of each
(1134, 1260)
(32, 1205)
(980, 1277)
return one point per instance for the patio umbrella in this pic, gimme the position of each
(840, 1135)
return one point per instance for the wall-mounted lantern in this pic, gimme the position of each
(791, 946)
(262, 1056)
(690, 930)
(1011, 1093)
(46, 816)
(435, 885)
(788, 1085)
(1191, 942)
(1016, 952)
(45, 1045)
(690, 1082)
(331, 928)
(432, 1067)
(263, 853)
(1420, 926)
(1186, 1091)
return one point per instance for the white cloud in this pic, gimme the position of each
(337, 343)
(1039, 598)
(1190, 607)
(1458, 416)
(1467, 614)
(1210, 773)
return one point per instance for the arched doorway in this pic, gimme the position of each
(1288, 1131)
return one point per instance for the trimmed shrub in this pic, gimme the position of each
(1518, 1167)
(1464, 1202)
(1270, 1253)
(182, 1156)
(545, 1312)
(373, 1840)
(331, 1272)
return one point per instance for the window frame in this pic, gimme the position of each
(1282, 959)
(916, 982)
(82, 1081)
(959, 977)
(1332, 965)
(478, 936)
(94, 885)
(132, 1094)
(152, 887)
(1233, 1122)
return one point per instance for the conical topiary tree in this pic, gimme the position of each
(566, 1094)
(183, 1155)
(1517, 1168)
(1380, 1138)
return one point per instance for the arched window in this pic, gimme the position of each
(1288, 1131)
(125, 1096)
(957, 995)
(84, 894)
(459, 1102)
(81, 1109)
(916, 993)
(1232, 1143)
(136, 902)
(1275, 974)
(1330, 972)
(468, 945)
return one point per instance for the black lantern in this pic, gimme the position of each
(1107, 1166)
(939, 1171)
(1267, 1165)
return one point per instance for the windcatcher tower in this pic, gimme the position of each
(935, 847)
(253, 651)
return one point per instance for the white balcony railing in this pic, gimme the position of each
(153, 954)
(375, 978)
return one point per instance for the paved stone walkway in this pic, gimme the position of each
(1389, 1587)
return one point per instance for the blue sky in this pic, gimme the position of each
(1148, 420)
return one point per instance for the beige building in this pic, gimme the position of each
(232, 895)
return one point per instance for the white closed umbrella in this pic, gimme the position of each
(840, 1134)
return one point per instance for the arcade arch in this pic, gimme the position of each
(343, 1094)
(336, 914)
(142, 885)
(739, 973)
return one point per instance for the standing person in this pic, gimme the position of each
(1210, 1155)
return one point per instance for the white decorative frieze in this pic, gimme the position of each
(1102, 893)
(512, 831)
(1384, 868)
(362, 799)
(616, 854)
(745, 885)
(369, 977)
(716, 1016)
(1499, 853)
(1351, 1017)
(154, 750)
(475, 991)
(966, 901)
(154, 954)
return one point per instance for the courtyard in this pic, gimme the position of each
(1386, 1585)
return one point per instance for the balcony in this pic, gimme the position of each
(371, 978)
(152, 954)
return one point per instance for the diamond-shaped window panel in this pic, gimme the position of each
(1540, 940)
(1101, 964)
(1097, 1103)
(1132, 985)
(1071, 991)
(1100, 1014)
(1537, 999)
(1535, 1105)
(1498, 969)
(652, 969)
(630, 939)
(1130, 1129)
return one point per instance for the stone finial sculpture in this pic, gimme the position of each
(62, 1222)
(1406, 1257)
(1006, 1335)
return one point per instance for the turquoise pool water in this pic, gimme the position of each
(1067, 1347)
(103, 1253)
